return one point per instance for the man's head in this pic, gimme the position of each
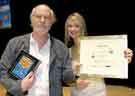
(42, 18)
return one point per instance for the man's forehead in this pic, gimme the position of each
(41, 8)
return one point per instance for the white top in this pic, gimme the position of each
(96, 85)
(41, 84)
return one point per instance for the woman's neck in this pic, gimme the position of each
(77, 42)
(76, 49)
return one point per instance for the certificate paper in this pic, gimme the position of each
(104, 56)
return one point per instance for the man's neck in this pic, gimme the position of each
(40, 38)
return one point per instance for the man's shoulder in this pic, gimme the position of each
(59, 47)
(58, 44)
(21, 36)
(57, 41)
(18, 39)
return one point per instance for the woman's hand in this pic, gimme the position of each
(81, 84)
(128, 53)
(76, 67)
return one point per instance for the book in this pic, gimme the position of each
(23, 65)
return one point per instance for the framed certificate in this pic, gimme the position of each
(23, 65)
(104, 56)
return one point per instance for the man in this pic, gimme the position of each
(55, 64)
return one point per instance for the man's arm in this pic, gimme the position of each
(68, 75)
(7, 59)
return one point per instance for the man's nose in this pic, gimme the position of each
(42, 19)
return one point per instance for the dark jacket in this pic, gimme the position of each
(60, 65)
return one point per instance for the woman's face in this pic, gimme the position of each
(74, 28)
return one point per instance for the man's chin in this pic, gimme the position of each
(42, 31)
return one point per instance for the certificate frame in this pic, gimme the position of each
(104, 56)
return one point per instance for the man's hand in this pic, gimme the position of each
(27, 82)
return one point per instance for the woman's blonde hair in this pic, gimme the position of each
(80, 18)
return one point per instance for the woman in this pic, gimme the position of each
(75, 27)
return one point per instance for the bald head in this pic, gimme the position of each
(42, 18)
(43, 8)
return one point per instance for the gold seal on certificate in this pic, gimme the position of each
(104, 56)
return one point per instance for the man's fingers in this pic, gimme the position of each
(30, 75)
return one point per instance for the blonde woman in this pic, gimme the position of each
(75, 27)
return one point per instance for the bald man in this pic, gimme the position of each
(55, 66)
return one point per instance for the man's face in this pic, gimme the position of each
(41, 19)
